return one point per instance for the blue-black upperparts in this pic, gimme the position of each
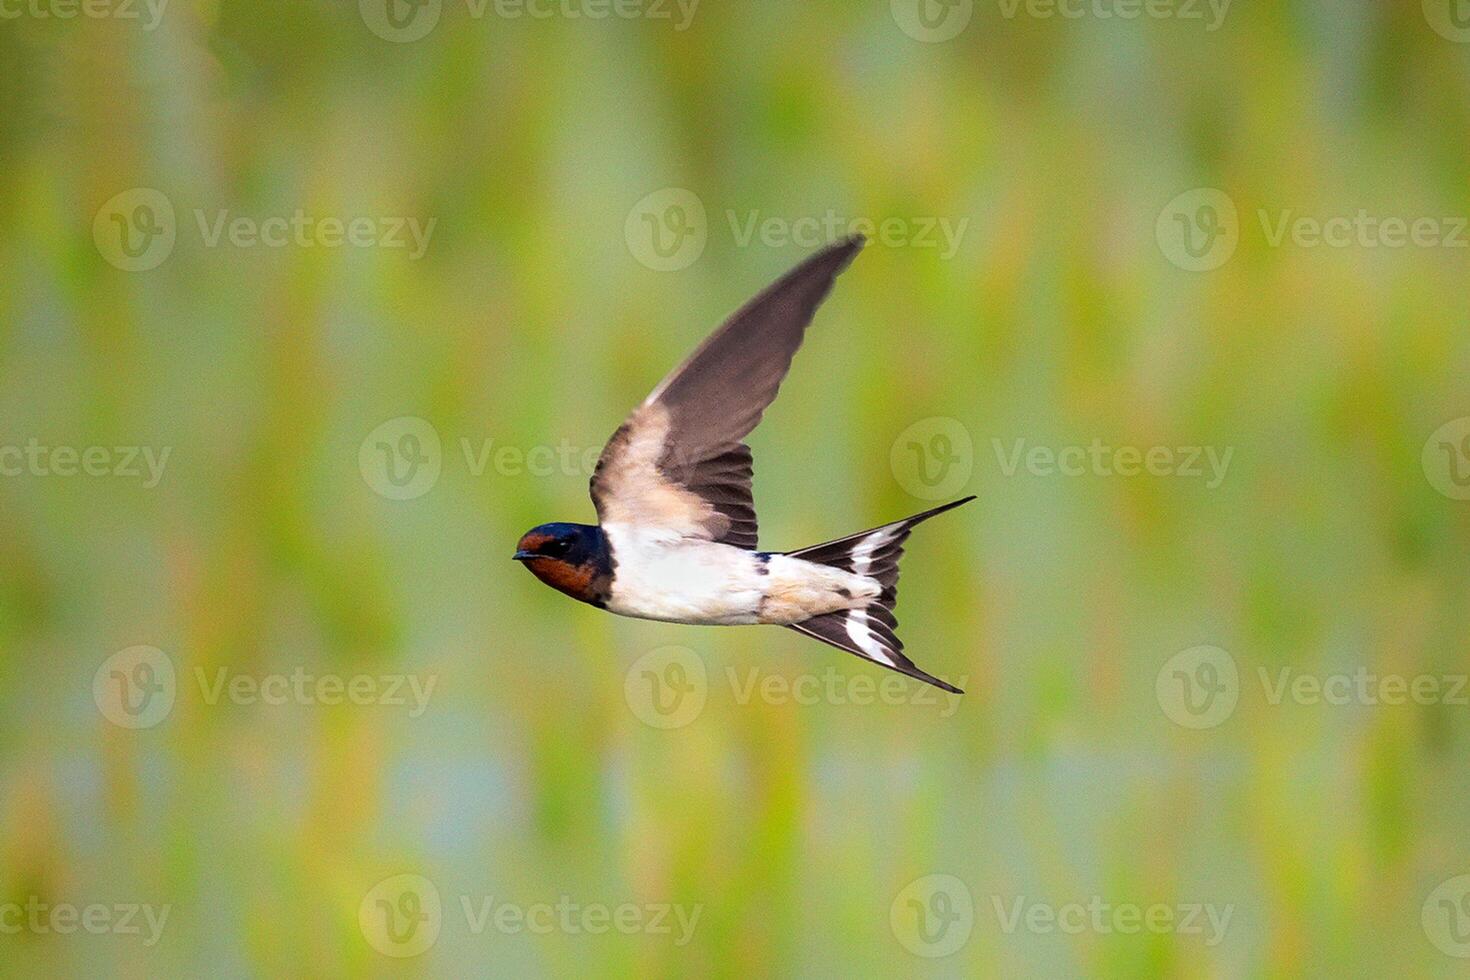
(571, 558)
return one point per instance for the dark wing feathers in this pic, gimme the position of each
(712, 401)
(831, 629)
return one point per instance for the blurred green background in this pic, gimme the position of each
(590, 182)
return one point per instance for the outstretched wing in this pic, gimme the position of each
(679, 463)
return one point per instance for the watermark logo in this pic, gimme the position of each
(667, 688)
(1446, 917)
(135, 688)
(1199, 687)
(667, 230)
(933, 916)
(401, 916)
(1199, 229)
(1449, 18)
(933, 458)
(1446, 459)
(932, 21)
(401, 458)
(136, 230)
(400, 21)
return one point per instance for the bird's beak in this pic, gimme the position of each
(524, 555)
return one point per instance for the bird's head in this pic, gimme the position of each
(571, 558)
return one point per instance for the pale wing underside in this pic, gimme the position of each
(679, 462)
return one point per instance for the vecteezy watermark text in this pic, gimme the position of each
(668, 230)
(136, 230)
(572, 918)
(300, 687)
(402, 916)
(1184, 10)
(403, 21)
(1102, 917)
(934, 916)
(814, 231)
(669, 687)
(89, 9)
(137, 688)
(1099, 459)
(98, 919)
(307, 231)
(125, 462)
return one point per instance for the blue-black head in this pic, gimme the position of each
(571, 558)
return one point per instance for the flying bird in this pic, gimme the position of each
(676, 534)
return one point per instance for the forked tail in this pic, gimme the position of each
(870, 632)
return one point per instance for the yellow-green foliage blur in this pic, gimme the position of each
(309, 309)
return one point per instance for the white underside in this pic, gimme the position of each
(683, 580)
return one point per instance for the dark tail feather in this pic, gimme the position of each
(870, 632)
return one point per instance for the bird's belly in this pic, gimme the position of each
(684, 581)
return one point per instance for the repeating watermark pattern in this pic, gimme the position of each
(936, 21)
(1099, 459)
(302, 230)
(813, 231)
(137, 230)
(1445, 917)
(832, 686)
(1199, 229)
(1446, 459)
(401, 458)
(1211, 13)
(40, 918)
(1099, 916)
(932, 21)
(148, 12)
(569, 917)
(1449, 18)
(135, 688)
(669, 687)
(544, 460)
(402, 21)
(138, 687)
(933, 916)
(1361, 230)
(144, 463)
(1199, 687)
(410, 691)
(669, 229)
(403, 916)
(933, 458)
(1362, 687)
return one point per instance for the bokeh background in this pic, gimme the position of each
(590, 182)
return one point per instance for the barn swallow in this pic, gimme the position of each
(676, 534)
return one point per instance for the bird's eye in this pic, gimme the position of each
(557, 549)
